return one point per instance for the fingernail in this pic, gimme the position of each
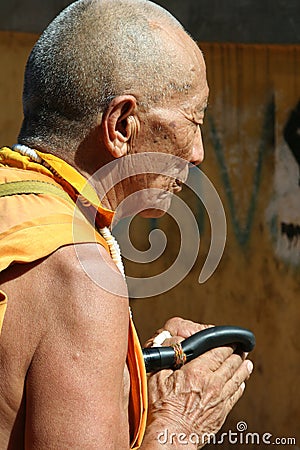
(250, 366)
(243, 385)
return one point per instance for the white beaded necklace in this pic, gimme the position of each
(105, 232)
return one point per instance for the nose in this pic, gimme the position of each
(198, 150)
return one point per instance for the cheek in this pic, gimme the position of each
(174, 138)
(184, 142)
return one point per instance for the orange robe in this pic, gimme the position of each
(37, 205)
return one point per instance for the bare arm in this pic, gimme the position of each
(75, 389)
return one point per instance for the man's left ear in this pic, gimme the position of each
(117, 125)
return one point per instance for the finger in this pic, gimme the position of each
(182, 327)
(158, 339)
(173, 340)
(209, 361)
(178, 327)
(238, 378)
(230, 365)
(236, 396)
(215, 357)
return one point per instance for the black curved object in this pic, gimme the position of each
(158, 358)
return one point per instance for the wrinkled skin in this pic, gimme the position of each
(198, 397)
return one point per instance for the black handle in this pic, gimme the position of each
(158, 358)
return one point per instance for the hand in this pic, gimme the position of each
(198, 397)
(179, 328)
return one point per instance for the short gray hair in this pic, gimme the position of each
(93, 51)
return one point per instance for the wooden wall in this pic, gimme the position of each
(14, 51)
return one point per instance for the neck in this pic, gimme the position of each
(88, 162)
(111, 241)
(89, 159)
(110, 197)
(110, 191)
(91, 155)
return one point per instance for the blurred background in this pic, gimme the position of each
(252, 142)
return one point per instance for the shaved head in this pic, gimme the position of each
(92, 52)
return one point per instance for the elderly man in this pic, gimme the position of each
(108, 78)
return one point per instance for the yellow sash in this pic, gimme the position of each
(38, 214)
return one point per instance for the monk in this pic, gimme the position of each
(107, 79)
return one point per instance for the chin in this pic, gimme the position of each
(152, 213)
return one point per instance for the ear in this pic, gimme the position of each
(117, 131)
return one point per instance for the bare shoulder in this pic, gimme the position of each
(83, 278)
(67, 322)
(74, 279)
